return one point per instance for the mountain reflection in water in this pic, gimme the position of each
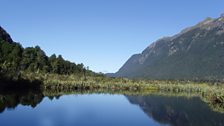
(178, 111)
(161, 110)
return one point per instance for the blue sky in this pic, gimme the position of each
(102, 34)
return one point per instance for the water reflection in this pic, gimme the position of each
(108, 109)
(12, 100)
(81, 110)
(178, 111)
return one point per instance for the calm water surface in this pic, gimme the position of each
(106, 110)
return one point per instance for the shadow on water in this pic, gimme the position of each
(9, 85)
(178, 111)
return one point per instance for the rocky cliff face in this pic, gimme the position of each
(195, 53)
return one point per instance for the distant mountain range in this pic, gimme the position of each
(196, 53)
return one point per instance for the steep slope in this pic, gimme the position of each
(5, 36)
(195, 53)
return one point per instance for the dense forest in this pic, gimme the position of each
(15, 59)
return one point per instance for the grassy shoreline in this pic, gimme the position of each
(211, 93)
(55, 81)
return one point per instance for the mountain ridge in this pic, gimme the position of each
(196, 53)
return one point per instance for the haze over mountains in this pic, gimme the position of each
(196, 53)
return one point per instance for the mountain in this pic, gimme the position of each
(196, 53)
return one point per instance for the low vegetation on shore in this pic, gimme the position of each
(211, 92)
(56, 84)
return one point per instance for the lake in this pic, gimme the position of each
(34, 109)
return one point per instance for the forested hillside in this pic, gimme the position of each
(196, 53)
(14, 59)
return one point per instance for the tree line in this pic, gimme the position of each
(14, 59)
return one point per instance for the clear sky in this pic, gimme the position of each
(102, 34)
